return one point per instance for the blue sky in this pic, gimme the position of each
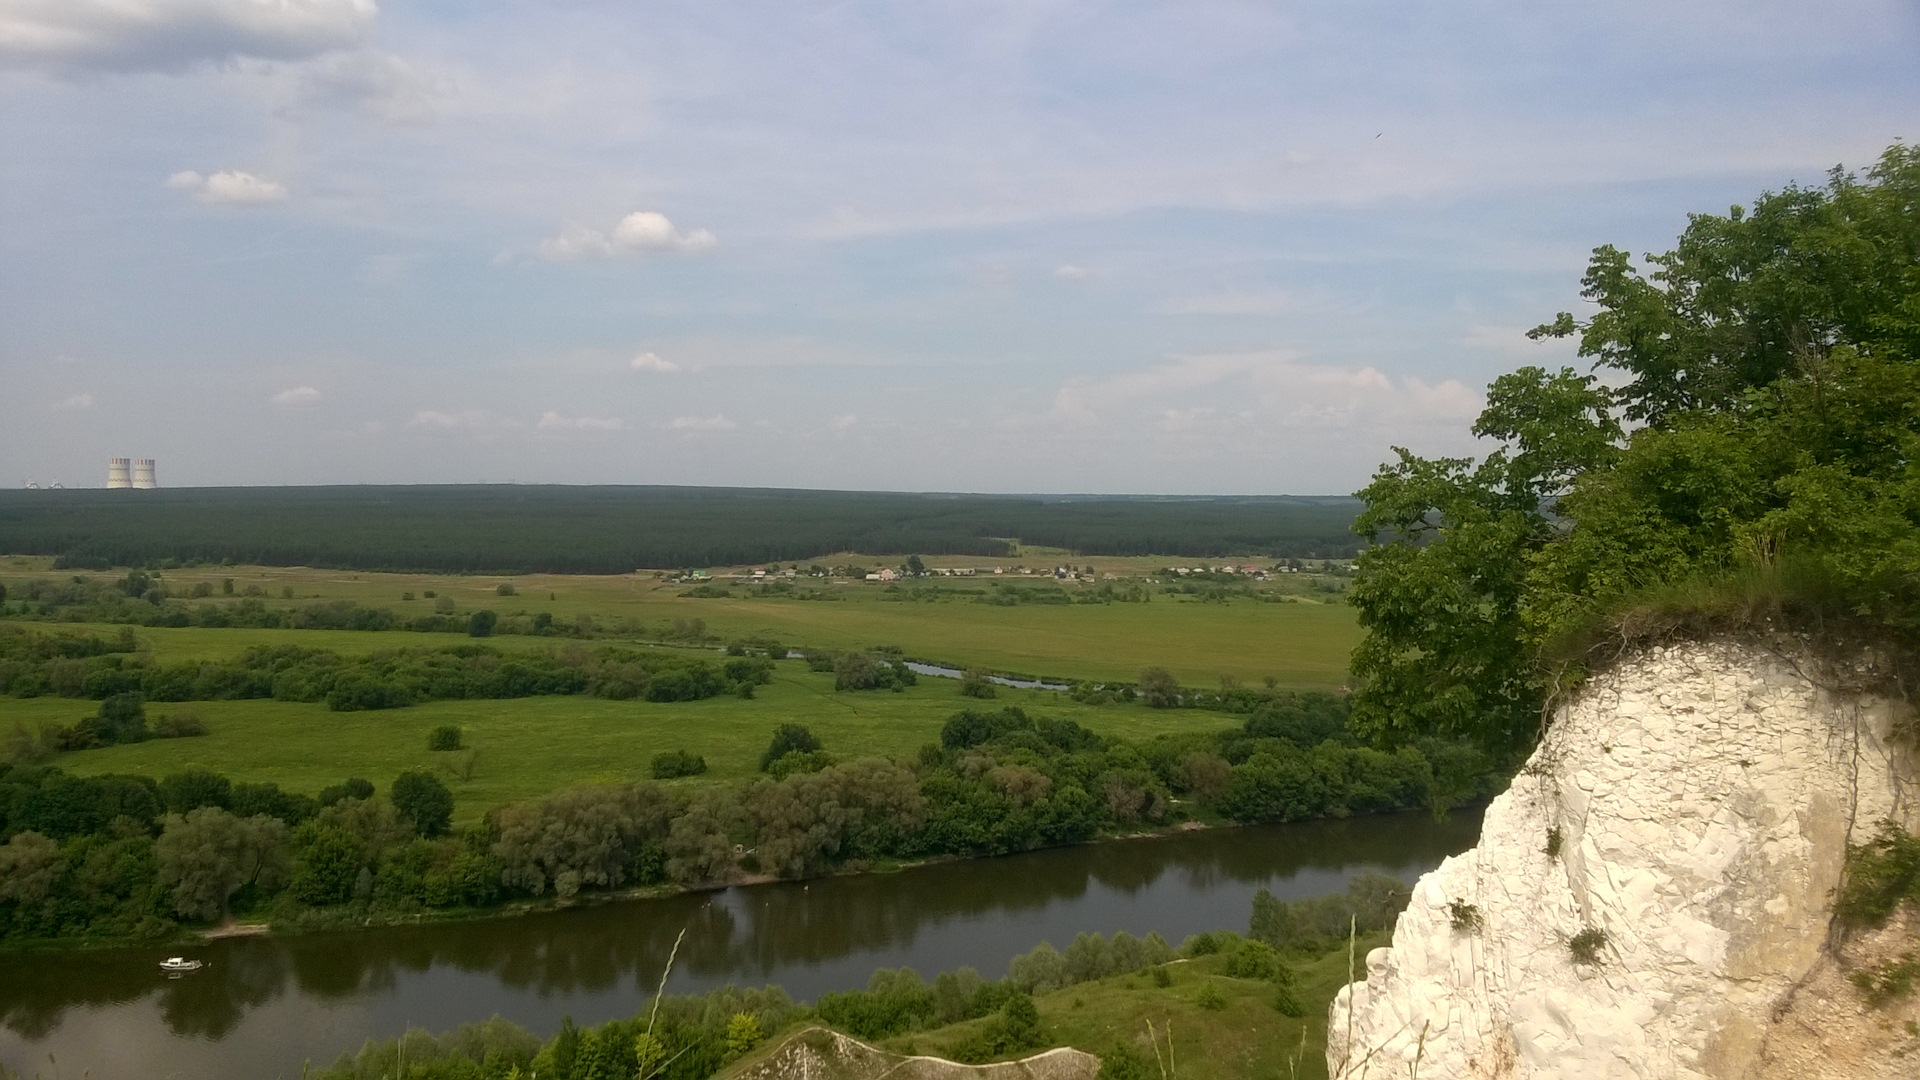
(1188, 248)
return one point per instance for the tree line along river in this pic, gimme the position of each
(263, 1006)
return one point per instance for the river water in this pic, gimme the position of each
(263, 1006)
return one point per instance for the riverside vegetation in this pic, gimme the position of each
(1238, 1004)
(116, 856)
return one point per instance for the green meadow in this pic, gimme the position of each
(1301, 641)
(526, 747)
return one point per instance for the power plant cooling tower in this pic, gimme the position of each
(119, 473)
(143, 473)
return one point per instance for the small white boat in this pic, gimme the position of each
(179, 965)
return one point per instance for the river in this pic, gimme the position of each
(263, 1006)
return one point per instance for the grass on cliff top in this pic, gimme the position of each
(527, 747)
(1247, 1039)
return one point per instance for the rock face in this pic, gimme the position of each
(1699, 800)
(821, 1054)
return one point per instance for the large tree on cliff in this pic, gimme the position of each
(1771, 372)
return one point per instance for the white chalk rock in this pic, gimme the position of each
(1704, 797)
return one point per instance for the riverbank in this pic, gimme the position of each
(263, 1005)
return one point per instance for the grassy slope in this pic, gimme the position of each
(1302, 644)
(530, 746)
(1247, 1040)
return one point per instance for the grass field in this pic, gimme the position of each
(1245, 1040)
(1299, 644)
(527, 747)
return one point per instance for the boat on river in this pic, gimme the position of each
(180, 965)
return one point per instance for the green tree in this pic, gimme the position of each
(327, 860)
(1159, 688)
(481, 623)
(421, 798)
(788, 739)
(743, 1034)
(207, 855)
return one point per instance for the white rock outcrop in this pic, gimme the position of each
(1701, 799)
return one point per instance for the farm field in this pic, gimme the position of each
(1304, 643)
(526, 747)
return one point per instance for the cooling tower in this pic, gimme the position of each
(119, 473)
(143, 473)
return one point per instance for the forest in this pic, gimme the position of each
(613, 530)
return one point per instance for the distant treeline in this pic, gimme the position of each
(599, 530)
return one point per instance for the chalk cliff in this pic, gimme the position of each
(1699, 800)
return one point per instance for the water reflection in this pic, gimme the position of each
(600, 962)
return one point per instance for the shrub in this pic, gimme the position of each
(1885, 983)
(1253, 960)
(674, 764)
(1465, 917)
(975, 684)
(1210, 998)
(1586, 945)
(353, 788)
(788, 739)
(1286, 1001)
(1553, 842)
(505, 588)
(423, 799)
(1162, 976)
(481, 624)
(180, 725)
(795, 762)
(1160, 689)
(444, 737)
(1123, 1061)
(1881, 874)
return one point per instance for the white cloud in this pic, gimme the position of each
(843, 421)
(173, 35)
(639, 232)
(647, 361)
(553, 421)
(1272, 386)
(232, 188)
(296, 397)
(1070, 273)
(717, 422)
(77, 401)
(468, 419)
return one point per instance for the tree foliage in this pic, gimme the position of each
(1771, 372)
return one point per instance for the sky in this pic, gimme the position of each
(1188, 248)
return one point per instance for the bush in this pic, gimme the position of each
(423, 799)
(179, 725)
(1123, 1061)
(444, 737)
(505, 588)
(975, 684)
(674, 764)
(1465, 917)
(1211, 999)
(1553, 842)
(481, 624)
(788, 739)
(1253, 960)
(1586, 945)
(352, 788)
(795, 762)
(1160, 689)
(1883, 984)
(1880, 875)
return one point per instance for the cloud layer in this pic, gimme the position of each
(171, 35)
